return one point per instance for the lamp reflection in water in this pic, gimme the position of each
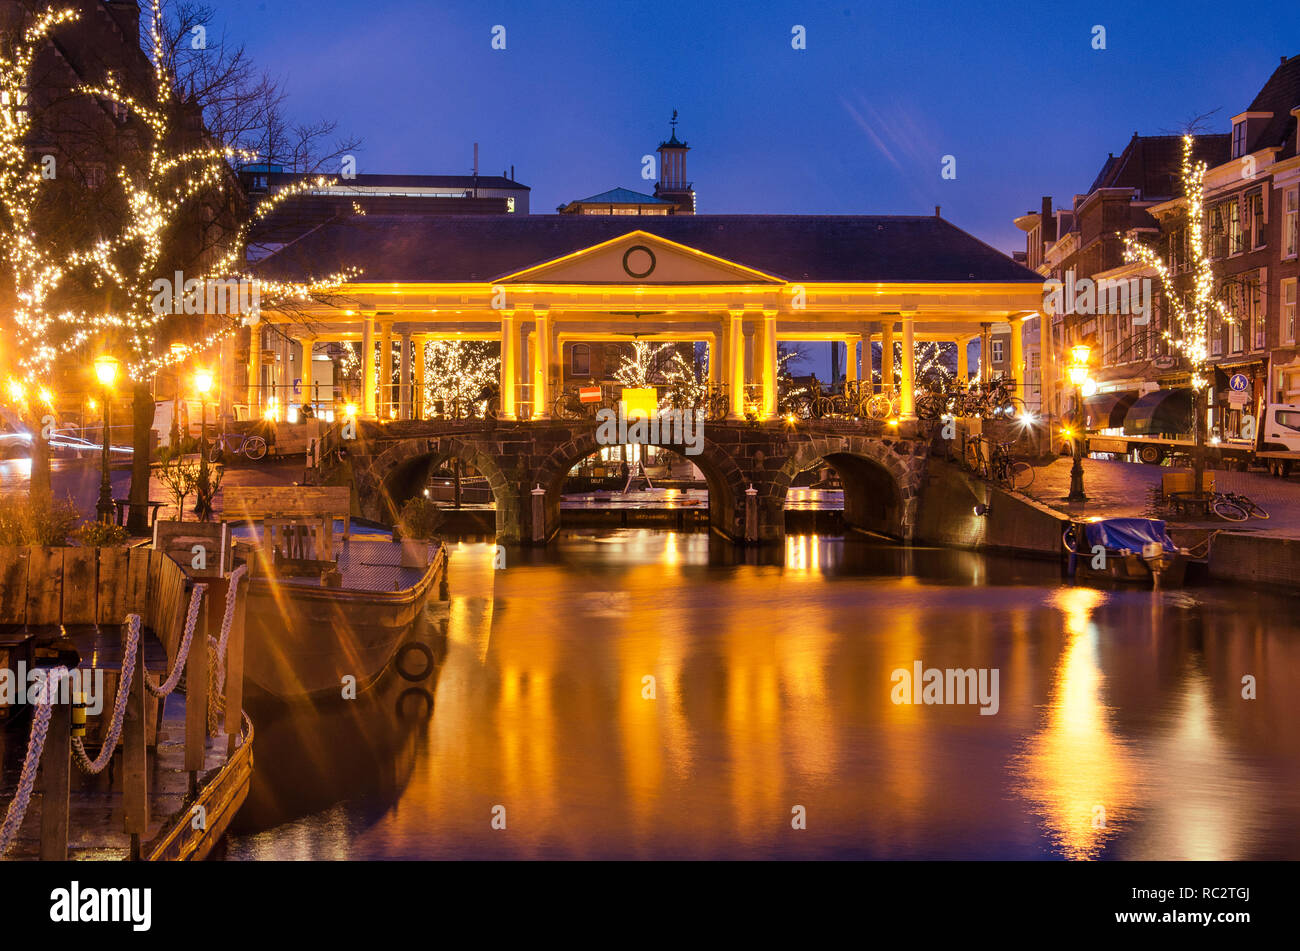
(1076, 773)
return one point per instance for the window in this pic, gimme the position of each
(1288, 310)
(580, 360)
(1239, 139)
(1253, 225)
(1289, 420)
(1291, 223)
(1235, 237)
(997, 351)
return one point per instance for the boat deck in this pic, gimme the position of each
(368, 561)
(95, 817)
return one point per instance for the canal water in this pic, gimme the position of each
(1120, 730)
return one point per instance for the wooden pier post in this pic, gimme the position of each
(56, 762)
(196, 693)
(135, 754)
(235, 673)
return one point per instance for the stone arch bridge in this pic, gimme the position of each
(881, 467)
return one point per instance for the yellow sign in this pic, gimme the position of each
(643, 402)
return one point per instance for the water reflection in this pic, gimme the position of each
(642, 693)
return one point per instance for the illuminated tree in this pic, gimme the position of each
(1192, 299)
(175, 182)
(461, 376)
(33, 266)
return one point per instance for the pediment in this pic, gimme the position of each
(639, 258)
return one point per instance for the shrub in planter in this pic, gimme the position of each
(420, 518)
(101, 535)
(37, 519)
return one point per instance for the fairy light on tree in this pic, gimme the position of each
(165, 189)
(34, 267)
(1192, 300)
(458, 374)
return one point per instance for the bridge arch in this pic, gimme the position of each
(881, 478)
(725, 480)
(394, 472)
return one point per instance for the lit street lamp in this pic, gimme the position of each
(106, 374)
(1078, 371)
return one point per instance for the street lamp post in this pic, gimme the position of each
(203, 383)
(1078, 371)
(105, 373)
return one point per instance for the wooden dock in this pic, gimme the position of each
(170, 789)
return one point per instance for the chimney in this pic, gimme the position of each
(476, 160)
(936, 212)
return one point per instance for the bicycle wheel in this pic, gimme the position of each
(878, 407)
(1013, 407)
(1230, 511)
(255, 447)
(564, 407)
(215, 452)
(1254, 508)
(823, 407)
(929, 406)
(1022, 475)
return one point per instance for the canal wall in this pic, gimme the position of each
(1255, 559)
(1011, 522)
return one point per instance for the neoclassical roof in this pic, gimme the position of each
(817, 248)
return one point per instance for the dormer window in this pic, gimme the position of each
(1239, 139)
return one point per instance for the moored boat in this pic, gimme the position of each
(307, 633)
(327, 601)
(1127, 550)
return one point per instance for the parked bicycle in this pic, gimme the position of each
(236, 444)
(997, 465)
(1236, 508)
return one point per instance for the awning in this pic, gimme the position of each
(1107, 410)
(1161, 413)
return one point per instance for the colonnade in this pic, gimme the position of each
(743, 354)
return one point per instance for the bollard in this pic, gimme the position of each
(56, 761)
(539, 514)
(751, 514)
(196, 693)
(135, 755)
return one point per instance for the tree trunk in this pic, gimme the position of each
(1198, 441)
(39, 482)
(142, 407)
(835, 364)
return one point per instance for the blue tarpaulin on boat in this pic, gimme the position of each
(1116, 534)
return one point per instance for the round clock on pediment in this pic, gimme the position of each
(639, 261)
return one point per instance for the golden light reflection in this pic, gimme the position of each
(1076, 773)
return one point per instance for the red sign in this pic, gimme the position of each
(589, 394)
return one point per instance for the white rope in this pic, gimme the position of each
(17, 810)
(119, 706)
(217, 670)
(191, 620)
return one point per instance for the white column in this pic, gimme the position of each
(404, 368)
(368, 402)
(907, 402)
(417, 397)
(963, 359)
(887, 356)
(736, 355)
(1018, 356)
(385, 369)
(851, 358)
(255, 372)
(308, 344)
(542, 365)
(769, 365)
(509, 357)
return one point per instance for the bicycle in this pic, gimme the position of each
(249, 445)
(999, 466)
(1236, 508)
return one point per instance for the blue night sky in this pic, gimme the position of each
(856, 123)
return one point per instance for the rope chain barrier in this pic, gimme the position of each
(17, 810)
(183, 653)
(109, 746)
(217, 648)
